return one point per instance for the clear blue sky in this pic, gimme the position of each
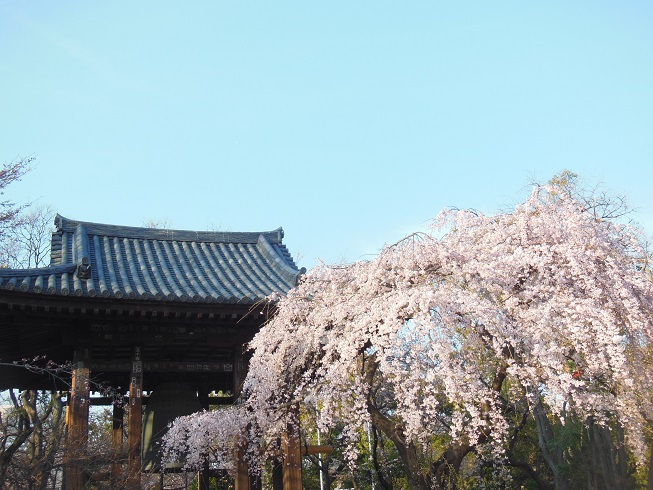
(349, 123)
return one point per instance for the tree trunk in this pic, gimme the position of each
(394, 431)
(553, 456)
(377, 466)
(607, 471)
(445, 470)
(55, 437)
(407, 451)
(44, 444)
(649, 485)
(8, 453)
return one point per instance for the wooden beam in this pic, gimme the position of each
(323, 449)
(135, 429)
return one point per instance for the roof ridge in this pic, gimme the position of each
(120, 231)
(37, 271)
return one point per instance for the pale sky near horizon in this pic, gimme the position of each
(350, 124)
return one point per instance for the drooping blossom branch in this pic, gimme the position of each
(547, 302)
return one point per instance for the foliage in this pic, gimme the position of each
(24, 230)
(222, 482)
(455, 348)
(27, 243)
(9, 173)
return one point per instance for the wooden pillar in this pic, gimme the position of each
(117, 440)
(203, 479)
(240, 370)
(77, 423)
(292, 461)
(244, 480)
(242, 470)
(135, 428)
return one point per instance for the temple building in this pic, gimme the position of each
(153, 317)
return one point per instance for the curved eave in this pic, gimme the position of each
(112, 308)
(37, 286)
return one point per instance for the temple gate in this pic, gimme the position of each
(139, 310)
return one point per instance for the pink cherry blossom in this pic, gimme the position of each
(546, 302)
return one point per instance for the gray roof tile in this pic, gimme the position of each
(109, 261)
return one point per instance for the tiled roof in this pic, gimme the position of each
(98, 260)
